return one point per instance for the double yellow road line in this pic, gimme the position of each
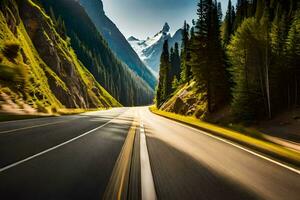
(118, 184)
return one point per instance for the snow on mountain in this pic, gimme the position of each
(116, 40)
(150, 49)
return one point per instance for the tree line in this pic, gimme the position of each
(250, 59)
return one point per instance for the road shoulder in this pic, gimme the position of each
(281, 154)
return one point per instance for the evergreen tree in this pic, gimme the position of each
(52, 15)
(278, 71)
(228, 28)
(165, 82)
(208, 57)
(242, 12)
(293, 60)
(61, 27)
(186, 73)
(265, 70)
(175, 62)
(248, 101)
(259, 9)
(220, 79)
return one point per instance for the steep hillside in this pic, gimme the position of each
(150, 49)
(93, 51)
(116, 40)
(187, 100)
(38, 68)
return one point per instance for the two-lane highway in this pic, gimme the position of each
(75, 157)
(61, 158)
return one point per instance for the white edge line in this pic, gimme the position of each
(238, 146)
(147, 183)
(52, 148)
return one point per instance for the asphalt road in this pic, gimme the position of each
(74, 157)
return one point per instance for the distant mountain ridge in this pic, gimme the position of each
(150, 49)
(93, 51)
(116, 40)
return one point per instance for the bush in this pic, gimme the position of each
(41, 107)
(7, 73)
(54, 110)
(21, 73)
(15, 73)
(1, 58)
(11, 50)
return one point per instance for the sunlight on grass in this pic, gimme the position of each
(77, 111)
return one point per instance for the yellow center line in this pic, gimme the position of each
(126, 156)
(119, 180)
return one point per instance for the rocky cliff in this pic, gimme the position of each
(44, 72)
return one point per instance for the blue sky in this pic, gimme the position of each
(143, 18)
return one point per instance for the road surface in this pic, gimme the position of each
(83, 156)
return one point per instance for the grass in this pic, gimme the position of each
(28, 68)
(77, 111)
(257, 143)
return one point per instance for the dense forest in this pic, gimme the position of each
(248, 59)
(93, 51)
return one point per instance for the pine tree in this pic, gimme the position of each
(175, 62)
(61, 27)
(265, 70)
(208, 64)
(293, 59)
(164, 87)
(247, 96)
(278, 71)
(259, 9)
(186, 73)
(52, 15)
(220, 79)
(242, 12)
(228, 28)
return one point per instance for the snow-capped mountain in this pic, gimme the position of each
(116, 40)
(150, 49)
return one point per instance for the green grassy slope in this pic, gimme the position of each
(187, 100)
(31, 77)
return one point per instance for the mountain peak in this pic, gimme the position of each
(166, 28)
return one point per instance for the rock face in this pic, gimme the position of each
(187, 101)
(116, 40)
(56, 78)
(166, 28)
(150, 49)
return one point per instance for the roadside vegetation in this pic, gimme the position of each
(235, 71)
(256, 141)
(247, 61)
(40, 73)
